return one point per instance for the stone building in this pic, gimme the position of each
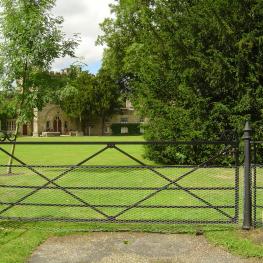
(52, 121)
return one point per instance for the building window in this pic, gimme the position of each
(11, 125)
(124, 130)
(124, 120)
(66, 125)
(107, 129)
(129, 105)
(141, 120)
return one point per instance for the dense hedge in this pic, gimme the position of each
(191, 154)
(133, 128)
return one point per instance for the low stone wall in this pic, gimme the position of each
(50, 134)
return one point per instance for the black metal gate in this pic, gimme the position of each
(111, 183)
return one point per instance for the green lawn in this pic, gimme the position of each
(29, 235)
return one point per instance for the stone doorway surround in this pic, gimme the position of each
(52, 119)
(57, 125)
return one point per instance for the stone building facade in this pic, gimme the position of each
(51, 120)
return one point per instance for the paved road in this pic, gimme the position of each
(132, 248)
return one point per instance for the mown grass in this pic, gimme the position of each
(238, 242)
(24, 237)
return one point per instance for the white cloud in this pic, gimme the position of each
(83, 17)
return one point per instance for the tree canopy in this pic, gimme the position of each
(76, 97)
(88, 97)
(107, 98)
(31, 39)
(194, 68)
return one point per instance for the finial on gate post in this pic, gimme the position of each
(247, 131)
(247, 209)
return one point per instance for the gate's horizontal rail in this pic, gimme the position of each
(117, 166)
(119, 206)
(94, 220)
(116, 188)
(124, 143)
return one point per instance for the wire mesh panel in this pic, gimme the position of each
(114, 182)
(257, 184)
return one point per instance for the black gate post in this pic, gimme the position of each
(247, 208)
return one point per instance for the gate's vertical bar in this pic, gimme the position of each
(247, 211)
(255, 185)
(236, 218)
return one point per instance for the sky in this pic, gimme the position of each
(83, 17)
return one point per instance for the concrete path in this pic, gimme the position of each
(132, 248)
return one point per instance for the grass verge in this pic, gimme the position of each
(237, 242)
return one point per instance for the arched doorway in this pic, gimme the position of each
(25, 133)
(57, 125)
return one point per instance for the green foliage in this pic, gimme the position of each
(76, 97)
(133, 128)
(194, 68)
(106, 96)
(88, 97)
(31, 40)
(7, 107)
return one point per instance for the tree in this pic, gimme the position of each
(76, 98)
(31, 39)
(106, 97)
(87, 97)
(194, 68)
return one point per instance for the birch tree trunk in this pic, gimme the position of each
(10, 162)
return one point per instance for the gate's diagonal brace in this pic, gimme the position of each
(174, 182)
(52, 182)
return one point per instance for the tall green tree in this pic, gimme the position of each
(31, 38)
(87, 97)
(106, 97)
(76, 98)
(194, 68)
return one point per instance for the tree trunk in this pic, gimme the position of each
(10, 162)
(102, 125)
(24, 80)
(86, 126)
(80, 123)
(83, 126)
